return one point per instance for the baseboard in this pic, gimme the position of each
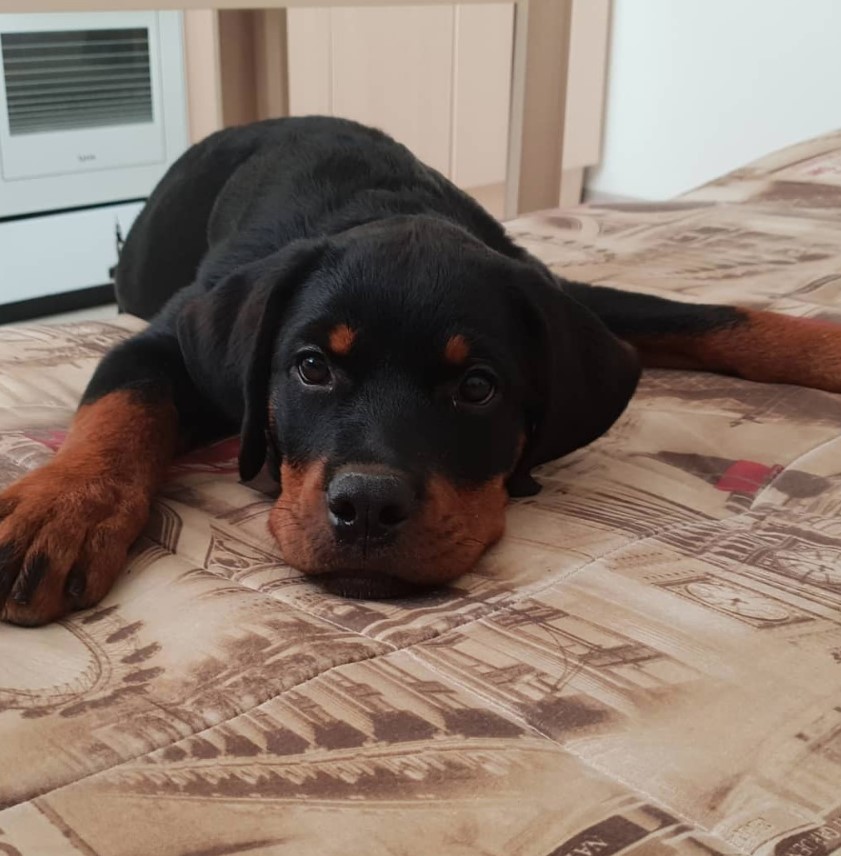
(596, 197)
(55, 304)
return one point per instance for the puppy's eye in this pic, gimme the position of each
(477, 388)
(313, 369)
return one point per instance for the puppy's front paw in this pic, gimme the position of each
(64, 537)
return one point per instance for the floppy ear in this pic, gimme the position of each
(581, 375)
(227, 337)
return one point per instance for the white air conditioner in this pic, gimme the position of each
(92, 107)
(92, 113)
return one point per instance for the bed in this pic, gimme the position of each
(650, 661)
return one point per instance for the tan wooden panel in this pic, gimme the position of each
(204, 83)
(271, 70)
(585, 87)
(236, 60)
(310, 62)
(392, 68)
(481, 93)
(538, 104)
(252, 63)
(128, 5)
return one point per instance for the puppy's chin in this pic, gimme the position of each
(368, 585)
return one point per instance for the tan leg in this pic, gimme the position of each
(204, 82)
(572, 187)
(538, 99)
(271, 63)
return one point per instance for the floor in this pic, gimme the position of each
(94, 313)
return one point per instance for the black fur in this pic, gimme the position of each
(262, 238)
(377, 340)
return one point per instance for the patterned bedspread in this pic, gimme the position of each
(650, 662)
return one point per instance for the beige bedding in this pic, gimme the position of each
(650, 662)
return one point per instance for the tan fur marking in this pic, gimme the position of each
(298, 520)
(444, 539)
(456, 526)
(457, 350)
(341, 339)
(767, 347)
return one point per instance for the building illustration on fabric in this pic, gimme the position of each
(648, 664)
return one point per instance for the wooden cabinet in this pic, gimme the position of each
(440, 78)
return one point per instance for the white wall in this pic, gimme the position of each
(699, 87)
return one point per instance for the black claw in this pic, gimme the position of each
(33, 571)
(75, 583)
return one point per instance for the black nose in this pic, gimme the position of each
(369, 504)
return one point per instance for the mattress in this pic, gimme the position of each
(649, 662)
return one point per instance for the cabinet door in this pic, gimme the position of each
(481, 94)
(310, 62)
(393, 68)
(436, 78)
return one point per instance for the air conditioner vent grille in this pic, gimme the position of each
(63, 80)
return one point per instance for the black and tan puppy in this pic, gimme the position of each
(373, 335)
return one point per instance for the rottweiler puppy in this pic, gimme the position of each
(377, 341)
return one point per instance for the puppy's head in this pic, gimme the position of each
(403, 379)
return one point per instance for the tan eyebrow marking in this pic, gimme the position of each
(341, 339)
(457, 350)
